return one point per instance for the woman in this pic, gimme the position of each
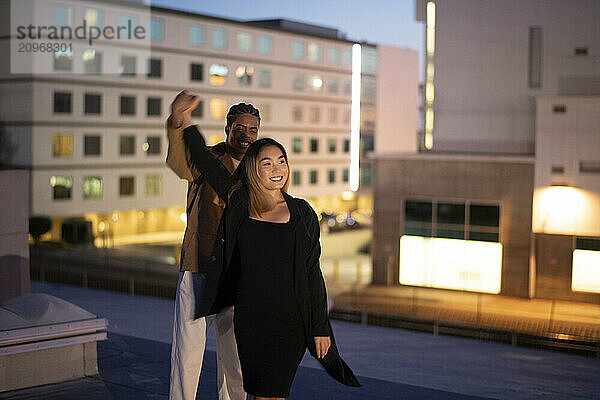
(269, 250)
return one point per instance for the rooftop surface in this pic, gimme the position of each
(390, 363)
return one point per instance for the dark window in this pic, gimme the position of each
(331, 175)
(127, 145)
(198, 112)
(127, 105)
(152, 145)
(581, 51)
(154, 68)
(451, 221)
(368, 143)
(297, 145)
(196, 72)
(313, 176)
(559, 109)
(589, 167)
(154, 106)
(557, 169)
(62, 102)
(296, 178)
(484, 215)
(345, 175)
(346, 145)
(314, 145)
(418, 217)
(587, 244)
(366, 173)
(93, 104)
(92, 145)
(535, 56)
(126, 186)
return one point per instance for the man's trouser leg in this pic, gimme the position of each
(189, 340)
(229, 372)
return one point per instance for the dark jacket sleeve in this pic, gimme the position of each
(318, 293)
(200, 158)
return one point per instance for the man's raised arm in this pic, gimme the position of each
(180, 118)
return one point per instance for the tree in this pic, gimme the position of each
(38, 225)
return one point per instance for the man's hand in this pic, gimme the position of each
(182, 107)
(322, 344)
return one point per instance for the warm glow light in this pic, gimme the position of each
(586, 271)
(355, 118)
(347, 195)
(430, 27)
(429, 92)
(429, 128)
(561, 210)
(451, 264)
(183, 217)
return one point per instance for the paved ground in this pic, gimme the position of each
(391, 363)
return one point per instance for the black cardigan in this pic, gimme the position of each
(220, 282)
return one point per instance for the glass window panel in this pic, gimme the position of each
(127, 145)
(92, 61)
(369, 60)
(314, 52)
(332, 145)
(94, 17)
(126, 186)
(416, 230)
(92, 104)
(296, 178)
(154, 106)
(346, 145)
(345, 175)
(154, 68)
(264, 79)
(481, 215)
(297, 145)
(297, 114)
(333, 115)
(127, 105)
(62, 145)
(587, 244)
(128, 65)
(418, 211)
(62, 187)
(218, 74)
(92, 145)
(244, 73)
(196, 72)
(484, 236)
(298, 82)
(298, 50)
(63, 15)
(333, 85)
(92, 187)
(331, 176)
(157, 29)
(153, 185)
(125, 19)
(219, 38)
(62, 102)
(313, 177)
(448, 213)
(197, 35)
(347, 55)
(333, 55)
(347, 87)
(244, 42)
(218, 109)
(63, 60)
(314, 145)
(450, 233)
(315, 115)
(366, 174)
(265, 45)
(152, 145)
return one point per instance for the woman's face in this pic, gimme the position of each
(272, 168)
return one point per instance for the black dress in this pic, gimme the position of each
(267, 320)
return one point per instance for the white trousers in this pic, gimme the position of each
(189, 341)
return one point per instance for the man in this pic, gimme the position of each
(204, 212)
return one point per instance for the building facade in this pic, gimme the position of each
(91, 125)
(502, 196)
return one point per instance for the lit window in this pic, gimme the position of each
(297, 114)
(153, 185)
(127, 105)
(218, 74)
(332, 145)
(128, 64)
(333, 85)
(244, 74)
(296, 178)
(265, 112)
(347, 57)
(92, 187)
(314, 145)
(62, 187)
(62, 145)
(92, 145)
(218, 109)
(219, 38)
(244, 42)
(333, 55)
(197, 35)
(126, 186)
(298, 50)
(331, 175)
(94, 17)
(127, 145)
(314, 52)
(152, 145)
(315, 115)
(316, 83)
(264, 79)
(586, 259)
(62, 102)
(313, 176)
(63, 60)
(157, 29)
(63, 16)
(265, 45)
(298, 82)
(297, 145)
(92, 61)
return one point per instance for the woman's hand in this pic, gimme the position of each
(322, 344)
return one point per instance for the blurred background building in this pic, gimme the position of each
(92, 129)
(503, 194)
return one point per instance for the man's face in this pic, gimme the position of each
(242, 132)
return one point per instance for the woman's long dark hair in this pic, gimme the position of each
(259, 200)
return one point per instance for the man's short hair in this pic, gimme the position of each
(241, 108)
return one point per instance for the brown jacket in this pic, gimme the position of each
(204, 207)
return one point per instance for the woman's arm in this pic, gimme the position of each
(200, 159)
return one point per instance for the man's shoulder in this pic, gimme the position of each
(218, 149)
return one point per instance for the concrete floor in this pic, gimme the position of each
(391, 363)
